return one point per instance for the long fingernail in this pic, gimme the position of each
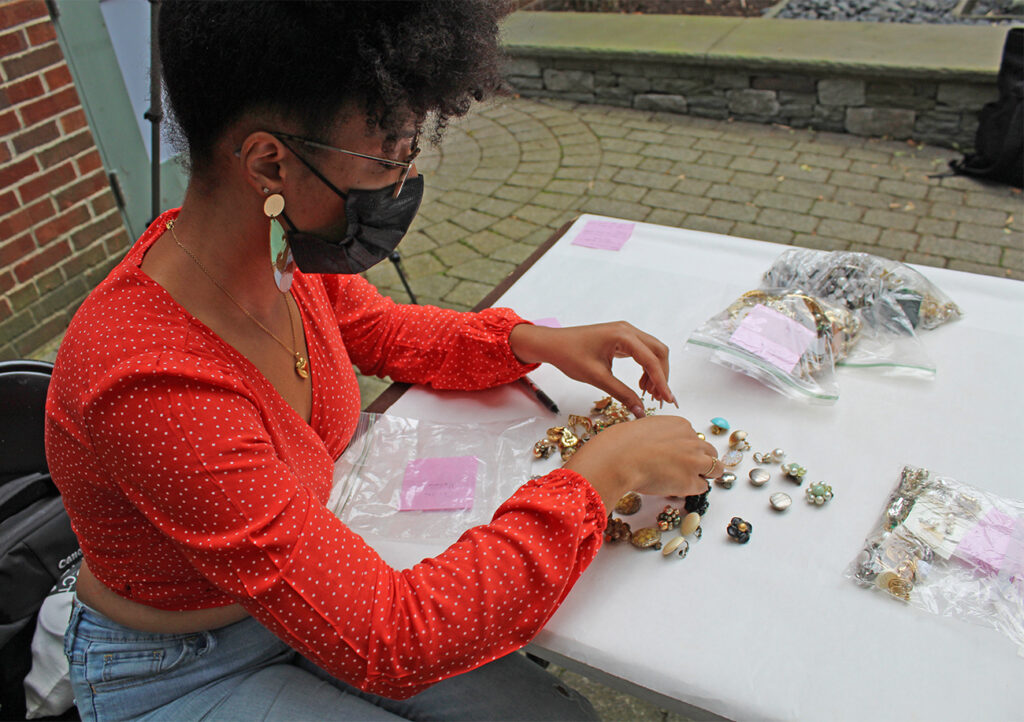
(638, 411)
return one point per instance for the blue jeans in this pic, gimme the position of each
(243, 672)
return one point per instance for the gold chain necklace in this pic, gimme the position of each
(300, 363)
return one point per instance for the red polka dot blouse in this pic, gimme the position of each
(192, 484)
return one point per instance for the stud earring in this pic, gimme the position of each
(280, 252)
(819, 493)
(739, 530)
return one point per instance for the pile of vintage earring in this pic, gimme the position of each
(680, 545)
(618, 530)
(859, 280)
(688, 519)
(578, 430)
(669, 518)
(567, 439)
(609, 412)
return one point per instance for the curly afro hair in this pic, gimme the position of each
(306, 60)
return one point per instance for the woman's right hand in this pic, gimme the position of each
(654, 455)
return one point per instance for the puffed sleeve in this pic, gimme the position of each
(252, 526)
(439, 347)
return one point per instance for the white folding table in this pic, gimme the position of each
(772, 629)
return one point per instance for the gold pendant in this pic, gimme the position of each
(300, 367)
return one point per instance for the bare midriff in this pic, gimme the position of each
(93, 593)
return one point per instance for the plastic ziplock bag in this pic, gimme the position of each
(370, 475)
(891, 299)
(785, 338)
(950, 549)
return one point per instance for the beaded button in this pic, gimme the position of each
(819, 493)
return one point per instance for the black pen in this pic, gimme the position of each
(541, 396)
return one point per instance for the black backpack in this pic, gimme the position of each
(36, 547)
(36, 542)
(999, 143)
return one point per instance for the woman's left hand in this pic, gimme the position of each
(585, 353)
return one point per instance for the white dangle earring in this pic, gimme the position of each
(280, 252)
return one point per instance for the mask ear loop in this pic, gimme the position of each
(312, 170)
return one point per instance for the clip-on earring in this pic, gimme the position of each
(280, 252)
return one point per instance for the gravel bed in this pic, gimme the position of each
(898, 11)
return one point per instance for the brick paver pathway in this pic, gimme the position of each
(511, 173)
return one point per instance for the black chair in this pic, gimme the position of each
(35, 533)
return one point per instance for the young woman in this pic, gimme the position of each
(205, 388)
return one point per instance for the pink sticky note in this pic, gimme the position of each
(985, 544)
(439, 483)
(550, 322)
(608, 235)
(773, 336)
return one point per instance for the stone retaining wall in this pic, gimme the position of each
(938, 112)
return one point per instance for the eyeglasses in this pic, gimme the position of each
(406, 164)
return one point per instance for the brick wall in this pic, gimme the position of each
(60, 228)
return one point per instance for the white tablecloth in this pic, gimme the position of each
(772, 629)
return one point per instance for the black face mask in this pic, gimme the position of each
(377, 222)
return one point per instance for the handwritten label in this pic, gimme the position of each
(439, 483)
(773, 336)
(986, 544)
(607, 235)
